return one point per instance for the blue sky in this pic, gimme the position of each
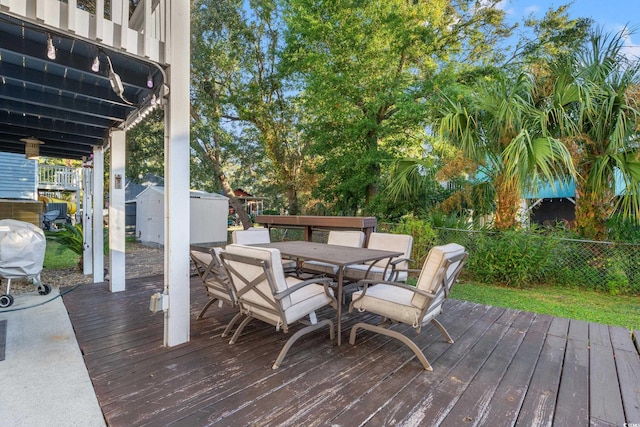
(611, 15)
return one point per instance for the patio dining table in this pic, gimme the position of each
(340, 256)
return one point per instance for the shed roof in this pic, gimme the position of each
(194, 194)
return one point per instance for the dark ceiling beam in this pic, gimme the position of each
(29, 122)
(88, 88)
(47, 150)
(76, 148)
(76, 117)
(17, 132)
(38, 98)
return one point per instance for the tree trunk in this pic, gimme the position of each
(507, 197)
(292, 200)
(236, 204)
(374, 169)
(593, 209)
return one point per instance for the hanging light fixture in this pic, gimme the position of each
(114, 79)
(51, 50)
(95, 66)
(32, 148)
(150, 80)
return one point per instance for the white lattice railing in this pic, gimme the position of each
(58, 177)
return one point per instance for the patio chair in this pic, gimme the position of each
(387, 269)
(216, 283)
(255, 236)
(354, 239)
(264, 293)
(414, 306)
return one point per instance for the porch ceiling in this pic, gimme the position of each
(62, 102)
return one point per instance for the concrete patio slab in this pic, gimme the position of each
(43, 378)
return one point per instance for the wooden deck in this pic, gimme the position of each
(506, 367)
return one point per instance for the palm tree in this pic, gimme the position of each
(499, 128)
(600, 129)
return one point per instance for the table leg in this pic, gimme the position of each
(339, 298)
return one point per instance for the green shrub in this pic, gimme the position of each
(620, 229)
(515, 258)
(424, 238)
(70, 238)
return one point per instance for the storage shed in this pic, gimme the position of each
(208, 217)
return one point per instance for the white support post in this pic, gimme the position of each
(117, 212)
(72, 8)
(176, 252)
(147, 24)
(98, 217)
(40, 11)
(123, 8)
(99, 20)
(87, 220)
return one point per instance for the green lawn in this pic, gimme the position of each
(53, 259)
(557, 301)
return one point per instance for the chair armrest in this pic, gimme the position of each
(323, 280)
(408, 270)
(399, 260)
(395, 271)
(367, 282)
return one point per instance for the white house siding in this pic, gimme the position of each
(18, 177)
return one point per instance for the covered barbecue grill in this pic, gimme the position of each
(22, 247)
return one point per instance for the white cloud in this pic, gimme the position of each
(531, 9)
(502, 5)
(630, 49)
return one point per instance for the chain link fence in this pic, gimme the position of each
(522, 258)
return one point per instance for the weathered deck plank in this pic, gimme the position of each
(604, 389)
(628, 367)
(539, 403)
(507, 400)
(572, 406)
(475, 400)
(504, 367)
(357, 372)
(388, 408)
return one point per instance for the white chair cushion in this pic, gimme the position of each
(388, 301)
(354, 239)
(305, 300)
(288, 264)
(268, 254)
(359, 272)
(204, 257)
(320, 267)
(386, 242)
(295, 306)
(432, 272)
(391, 242)
(251, 236)
(215, 288)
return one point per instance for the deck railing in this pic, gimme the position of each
(59, 178)
(140, 33)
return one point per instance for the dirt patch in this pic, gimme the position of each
(140, 261)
